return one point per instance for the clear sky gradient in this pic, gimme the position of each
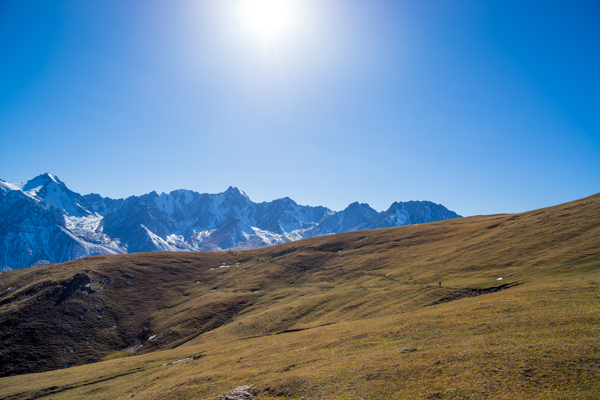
(483, 106)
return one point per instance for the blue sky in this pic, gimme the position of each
(483, 106)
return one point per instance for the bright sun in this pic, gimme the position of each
(269, 19)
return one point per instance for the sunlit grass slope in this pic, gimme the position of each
(359, 315)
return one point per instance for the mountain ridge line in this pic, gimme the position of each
(42, 221)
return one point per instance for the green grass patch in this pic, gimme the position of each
(117, 354)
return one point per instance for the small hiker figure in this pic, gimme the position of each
(480, 291)
(440, 284)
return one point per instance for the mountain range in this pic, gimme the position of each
(42, 221)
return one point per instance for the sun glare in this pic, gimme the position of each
(269, 19)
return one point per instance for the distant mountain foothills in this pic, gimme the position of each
(42, 221)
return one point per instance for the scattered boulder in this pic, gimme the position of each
(408, 350)
(80, 282)
(239, 393)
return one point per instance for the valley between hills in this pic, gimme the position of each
(356, 315)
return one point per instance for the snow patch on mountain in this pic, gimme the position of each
(9, 187)
(400, 217)
(268, 238)
(89, 230)
(89, 223)
(160, 243)
(164, 202)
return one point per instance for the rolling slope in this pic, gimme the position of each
(352, 315)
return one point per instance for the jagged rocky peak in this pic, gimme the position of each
(282, 204)
(33, 185)
(425, 206)
(236, 200)
(43, 179)
(94, 197)
(235, 192)
(37, 184)
(418, 212)
(361, 208)
(287, 200)
(47, 189)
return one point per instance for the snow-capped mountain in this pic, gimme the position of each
(42, 221)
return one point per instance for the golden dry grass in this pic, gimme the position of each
(351, 316)
(533, 341)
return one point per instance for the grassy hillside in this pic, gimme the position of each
(359, 315)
